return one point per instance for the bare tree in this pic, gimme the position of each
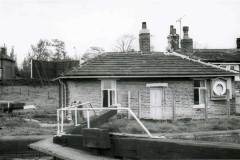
(41, 51)
(44, 50)
(125, 43)
(92, 52)
(59, 47)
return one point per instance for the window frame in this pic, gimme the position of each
(112, 88)
(200, 88)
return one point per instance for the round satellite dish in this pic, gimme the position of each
(219, 88)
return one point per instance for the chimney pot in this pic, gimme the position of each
(144, 25)
(171, 29)
(238, 43)
(174, 31)
(185, 32)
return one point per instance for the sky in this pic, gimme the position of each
(85, 23)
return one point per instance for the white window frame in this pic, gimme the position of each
(114, 89)
(200, 105)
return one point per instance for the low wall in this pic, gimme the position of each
(230, 136)
(153, 148)
(44, 97)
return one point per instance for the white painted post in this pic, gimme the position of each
(173, 108)
(139, 105)
(58, 127)
(31, 69)
(228, 104)
(76, 116)
(206, 104)
(62, 117)
(139, 122)
(8, 106)
(88, 119)
(129, 102)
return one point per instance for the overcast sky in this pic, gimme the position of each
(85, 23)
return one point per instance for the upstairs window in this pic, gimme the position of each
(108, 89)
(199, 90)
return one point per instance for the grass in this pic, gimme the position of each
(124, 125)
(12, 126)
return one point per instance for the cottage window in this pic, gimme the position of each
(199, 90)
(108, 88)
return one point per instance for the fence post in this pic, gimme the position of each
(139, 105)
(88, 119)
(62, 117)
(206, 104)
(173, 98)
(228, 103)
(129, 103)
(76, 116)
(58, 127)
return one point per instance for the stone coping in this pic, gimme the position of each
(48, 147)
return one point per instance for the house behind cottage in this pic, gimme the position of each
(155, 85)
(7, 65)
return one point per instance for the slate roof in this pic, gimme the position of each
(144, 65)
(218, 55)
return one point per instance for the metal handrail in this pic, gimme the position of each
(61, 110)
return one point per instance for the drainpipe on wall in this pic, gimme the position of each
(62, 93)
(64, 96)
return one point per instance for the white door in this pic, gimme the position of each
(156, 98)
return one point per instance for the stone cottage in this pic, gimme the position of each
(155, 85)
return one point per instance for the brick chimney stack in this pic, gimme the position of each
(186, 42)
(144, 39)
(238, 43)
(173, 39)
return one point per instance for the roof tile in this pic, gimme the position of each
(136, 64)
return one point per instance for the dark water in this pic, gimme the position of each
(25, 156)
(16, 148)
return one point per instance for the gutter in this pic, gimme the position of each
(170, 76)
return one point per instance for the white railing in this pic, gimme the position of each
(60, 116)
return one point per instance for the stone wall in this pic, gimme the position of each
(181, 89)
(45, 98)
